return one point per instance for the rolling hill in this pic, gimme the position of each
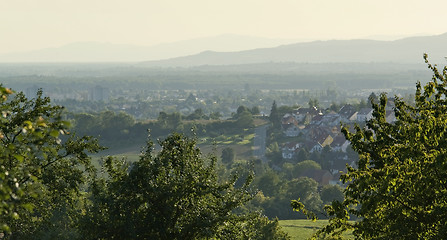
(406, 51)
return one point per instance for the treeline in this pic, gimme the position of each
(121, 129)
(50, 188)
(276, 188)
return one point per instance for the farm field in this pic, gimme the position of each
(303, 228)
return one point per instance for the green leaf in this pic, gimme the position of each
(54, 133)
(19, 157)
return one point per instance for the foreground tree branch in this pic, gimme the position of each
(398, 190)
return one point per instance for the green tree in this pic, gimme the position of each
(313, 102)
(362, 104)
(256, 227)
(255, 110)
(302, 155)
(334, 107)
(331, 193)
(174, 194)
(372, 98)
(242, 109)
(42, 171)
(169, 121)
(245, 120)
(268, 183)
(162, 119)
(304, 166)
(274, 116)
(196, 115)
(86, 123)
(215, 115)
(306, 188)
(399, 189)
(115, 127)
(326, 156)
(273, 152)
(292, 171)
(228, 155)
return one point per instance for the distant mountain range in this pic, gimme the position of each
(407, 51)
(108, 52)
(215, 51)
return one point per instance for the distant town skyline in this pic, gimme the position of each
(30, 25)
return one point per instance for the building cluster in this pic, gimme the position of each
(310, 130)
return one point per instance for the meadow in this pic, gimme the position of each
(304, 229)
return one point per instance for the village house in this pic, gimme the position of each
(364, 114)
(389, 116)
(339, 144)
(303, 115)
(348, 113)
(290, 125)
(331, 119)
(294, 131)
(289, 150)
(323, 177)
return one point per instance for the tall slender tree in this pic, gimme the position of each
(274, 116)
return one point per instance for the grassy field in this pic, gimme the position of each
(242, 147)
(303, 229)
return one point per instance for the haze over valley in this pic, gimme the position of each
(227, 119)
(235, 50)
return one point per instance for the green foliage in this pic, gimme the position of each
(215, 115)
(372, 98)
(42, 170)
(253, 226)
(245, 120)
(335, 107)
(228, 155)
(277, 192)
(169, 121)
(306, 165)
(242, 109)
(196, 115)
(273, 152)
(296, 170)
(313, 102)
(110, 127)
(331, 193)
(301, 229)
(307, 189)
(172, 194)
(302, 155)
(268, 183)
(275, 117)
(399, 189)
(255, 110)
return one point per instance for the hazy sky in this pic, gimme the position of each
(35, 24)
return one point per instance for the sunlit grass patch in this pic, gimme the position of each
(304, 229)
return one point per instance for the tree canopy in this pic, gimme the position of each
(172, 194)
(42, 170)
(49, 188)
(399, 189)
